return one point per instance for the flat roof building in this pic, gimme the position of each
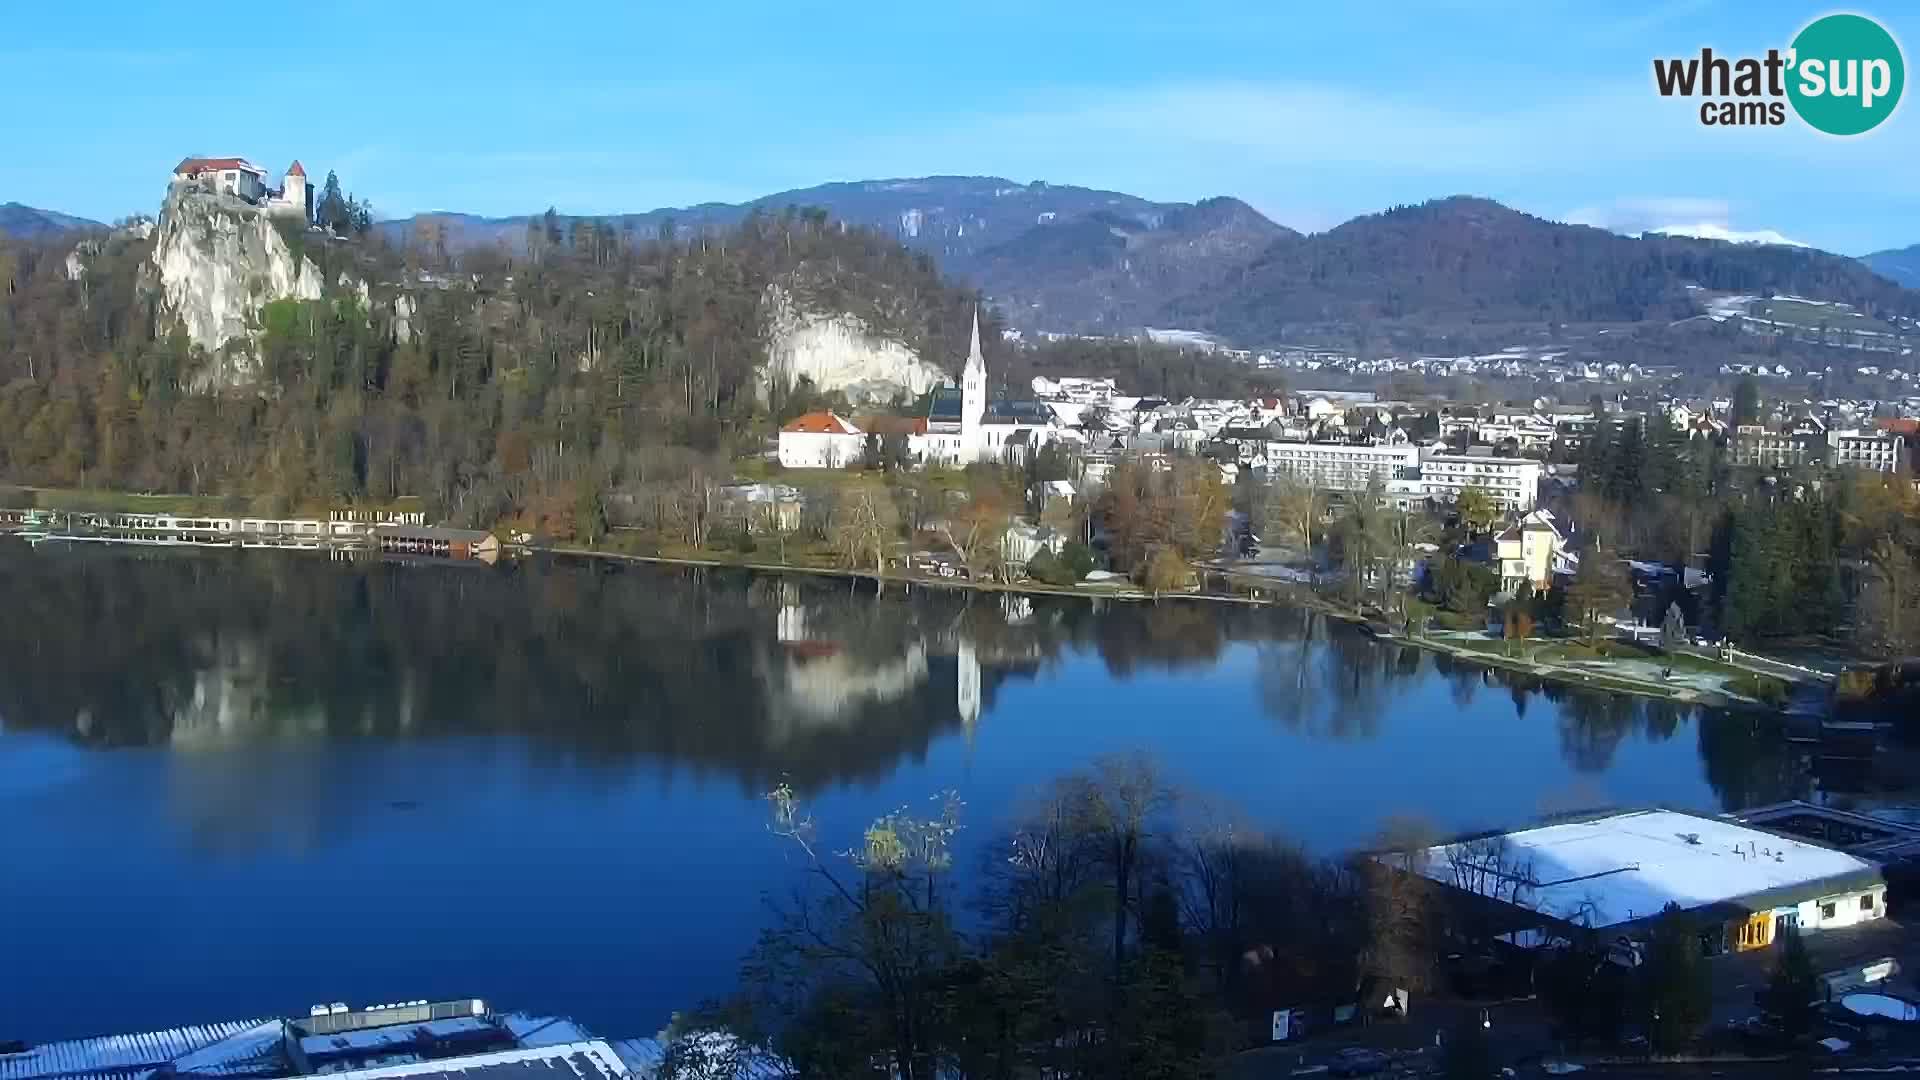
(1620, 871)
(1512, 482)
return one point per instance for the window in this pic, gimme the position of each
(1826, 911)
(1866, 902)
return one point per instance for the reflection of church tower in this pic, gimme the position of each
(967, 697)
(973, 391)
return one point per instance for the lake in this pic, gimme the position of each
(240, 783)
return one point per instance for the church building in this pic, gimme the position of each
(964, 426)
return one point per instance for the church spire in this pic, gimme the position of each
(973, 392)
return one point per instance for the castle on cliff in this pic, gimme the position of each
(243, 179)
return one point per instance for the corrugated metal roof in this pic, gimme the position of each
(237, 1052)
(119, 1053)
(533, 1031)
(593, 1060)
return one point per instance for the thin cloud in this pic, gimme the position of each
(1676, 215)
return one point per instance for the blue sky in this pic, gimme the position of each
(1312, 113)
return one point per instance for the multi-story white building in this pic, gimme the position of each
(1875, 451)
(1342, 466)
(1758, 447)
(1514, 483)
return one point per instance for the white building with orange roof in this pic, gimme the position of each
(225, 175)
(820, 440)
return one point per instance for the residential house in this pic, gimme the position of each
(820, 440)
(1531, 550)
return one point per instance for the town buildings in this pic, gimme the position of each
(1809, 441)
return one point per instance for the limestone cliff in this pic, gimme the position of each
(219, 260)
(839, 352)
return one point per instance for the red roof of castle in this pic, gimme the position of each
(296, 170)
(193, 165)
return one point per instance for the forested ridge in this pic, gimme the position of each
(512, 374)
(1470, 260)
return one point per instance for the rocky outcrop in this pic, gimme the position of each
(219, 260)
(839, 352)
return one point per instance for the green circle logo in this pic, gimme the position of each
(1847, 74)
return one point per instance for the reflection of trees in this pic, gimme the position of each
(1463, 678)
(1749, 761)
(1330, 682)
(1592, 725)
(1167, 635)
(601, 660)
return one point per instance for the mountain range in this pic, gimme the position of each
(28, 222)
(1898, 264)
(1070, 259)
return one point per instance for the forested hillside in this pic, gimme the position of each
(1079, 260)
(1418, 271)
(949, 217)
(496, 380)
(31, 221)
(1112, 273)
(1899, 264)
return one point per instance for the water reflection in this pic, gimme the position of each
(750, 677)
(465, 777)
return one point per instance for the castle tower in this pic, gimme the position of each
(294, 191)
(973, 389)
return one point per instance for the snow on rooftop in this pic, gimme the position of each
(122, 1052)
(1629, 866)
(592, 1060)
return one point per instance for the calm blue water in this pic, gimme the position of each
(237, 785)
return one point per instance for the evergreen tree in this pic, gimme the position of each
(1673, 628)
(1791, 996)
(1676, 993)
(1746, 402)
(333, 212)
(1600, 588)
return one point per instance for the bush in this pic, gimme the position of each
(13, 498)
(1080, 559)
(1165, 570)
(1049, 568)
